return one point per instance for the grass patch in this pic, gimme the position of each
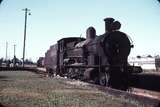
(25, 89)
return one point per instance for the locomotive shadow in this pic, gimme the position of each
(147, 81)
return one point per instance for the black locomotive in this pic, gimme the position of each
(99, 59)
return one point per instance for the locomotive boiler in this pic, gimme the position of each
(100, 59)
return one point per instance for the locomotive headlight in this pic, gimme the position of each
(116, 25)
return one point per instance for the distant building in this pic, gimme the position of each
(147, 63)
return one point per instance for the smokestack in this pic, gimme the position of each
(108, 24)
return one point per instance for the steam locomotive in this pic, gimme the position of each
(100, 59)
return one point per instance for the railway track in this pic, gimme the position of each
(147, 93)
(141, 95)
(134, 95)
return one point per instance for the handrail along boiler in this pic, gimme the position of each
(101, 59)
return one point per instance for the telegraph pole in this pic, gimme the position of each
(6, 50)
(25, 27)
(14, 57)
(14, 50)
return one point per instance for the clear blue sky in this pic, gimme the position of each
(52, 20)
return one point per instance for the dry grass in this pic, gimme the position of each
(25, 89)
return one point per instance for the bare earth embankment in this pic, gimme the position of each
(26, 89)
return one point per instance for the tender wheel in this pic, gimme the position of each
(104, 79)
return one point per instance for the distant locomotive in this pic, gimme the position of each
(101, 59)
(40, 62)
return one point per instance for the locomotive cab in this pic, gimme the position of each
(66, 55)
